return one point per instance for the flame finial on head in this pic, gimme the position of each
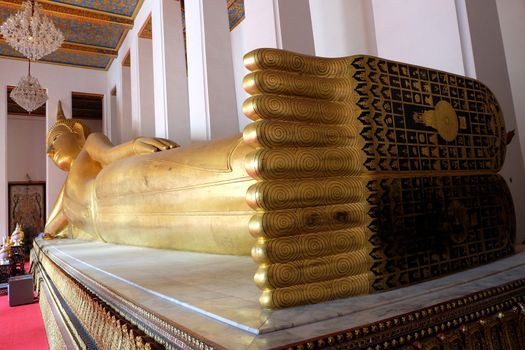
(61, 120)
(60, 111)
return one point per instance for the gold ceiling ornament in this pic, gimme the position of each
(31, 33)
(28, 93)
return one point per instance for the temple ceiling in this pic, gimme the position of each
(93, 29)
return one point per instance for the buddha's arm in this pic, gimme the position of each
(57, 220)
(103, 151)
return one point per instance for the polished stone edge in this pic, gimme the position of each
(458, 318)
(155, 294)
(170, 335)
(456, 321)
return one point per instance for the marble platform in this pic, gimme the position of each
(215, 297)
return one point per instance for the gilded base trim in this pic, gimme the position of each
(490, 319)
(54, 336)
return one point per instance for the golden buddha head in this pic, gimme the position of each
(65, 139)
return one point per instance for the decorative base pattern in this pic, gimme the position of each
(91, 321)
(490, 319)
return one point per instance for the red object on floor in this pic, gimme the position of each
(21, 327)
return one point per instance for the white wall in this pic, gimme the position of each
(95, 125)
(511, 15)
(343, 27)
(26, 148)
(424, 33)
(71, 79)
(490, 67)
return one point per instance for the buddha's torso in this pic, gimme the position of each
(162, 191)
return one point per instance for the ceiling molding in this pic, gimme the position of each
(94, 50)
(126, 62)
(84, 49)
(146, 32)
(73, 12)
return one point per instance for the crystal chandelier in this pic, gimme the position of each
(31, 33)
(28, 93)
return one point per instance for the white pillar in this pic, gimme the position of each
(125, 115)
(134, 86)
(3, 163)
(147, 90)
(343, 27)
(172, 118)
(211, 87)
(490, 67)
(106, 118)
(113, 127)
(143, 104)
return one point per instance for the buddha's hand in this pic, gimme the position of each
(48, 236)
(143, 145)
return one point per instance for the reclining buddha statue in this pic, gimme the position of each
(357, 175)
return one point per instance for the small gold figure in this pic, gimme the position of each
(5, 249)
(17, 236)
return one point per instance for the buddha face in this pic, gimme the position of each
(64, 146)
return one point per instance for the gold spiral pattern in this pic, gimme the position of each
(275, 134)
(304, 163)
(286, 194)
(274, 107)
(280, 60)
(316, 292)
(325, 123)
(281, 223)
(315, 270)
(309, 246)
(283, 83)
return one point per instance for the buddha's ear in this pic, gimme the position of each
(79, 130)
